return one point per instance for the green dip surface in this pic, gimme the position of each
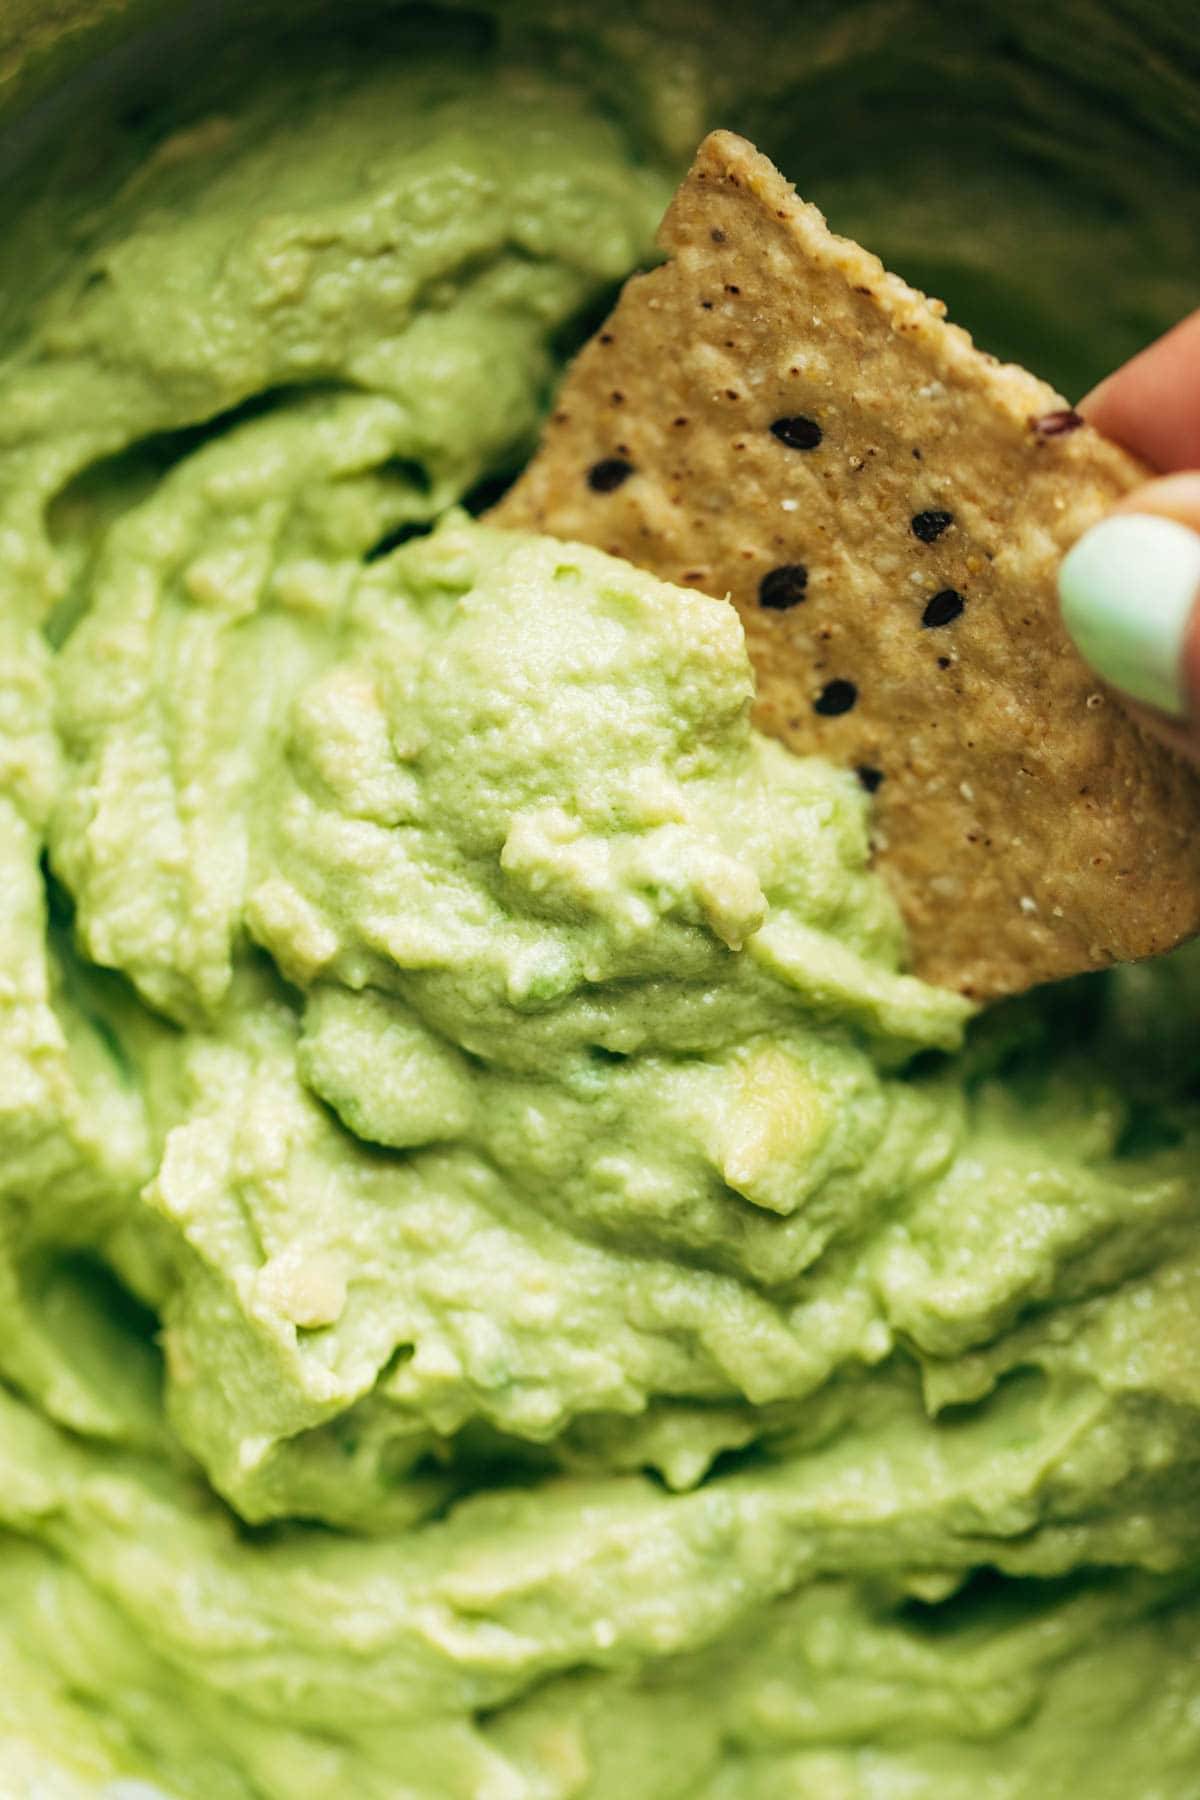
(508, 1291)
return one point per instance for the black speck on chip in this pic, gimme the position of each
(608, 474)
(930, 525)
(869, 777)
(783, 587)
(835, 697)
(797, 432)
(942, 609)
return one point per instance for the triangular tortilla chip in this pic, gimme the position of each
(772, 416)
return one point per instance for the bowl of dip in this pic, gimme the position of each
(510, 1290)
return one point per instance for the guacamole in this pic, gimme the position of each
(509, 1290)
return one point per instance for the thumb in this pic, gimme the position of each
(1130, 597)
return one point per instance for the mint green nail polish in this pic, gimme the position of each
(1127, 590)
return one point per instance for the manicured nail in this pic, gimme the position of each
(1127, 590)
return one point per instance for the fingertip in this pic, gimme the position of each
(1130, 597)
(1191, 665)
(1169, 496)
(1096, 402)
(1152, 404)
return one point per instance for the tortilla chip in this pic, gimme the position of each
(772, 417)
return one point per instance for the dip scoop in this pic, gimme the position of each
(772, 417)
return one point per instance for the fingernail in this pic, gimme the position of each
(1127, 591)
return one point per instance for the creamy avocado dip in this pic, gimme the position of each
(508, 1291)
